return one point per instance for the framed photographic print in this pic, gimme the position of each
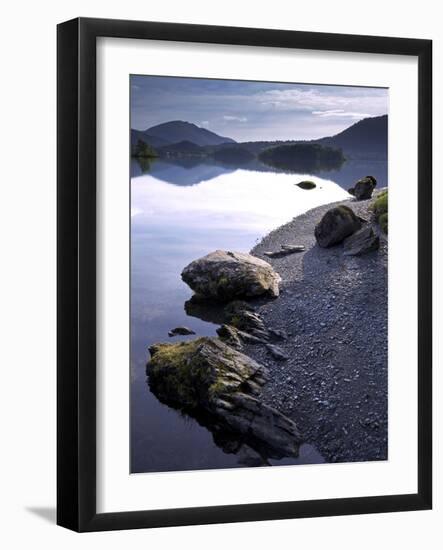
(244, 274)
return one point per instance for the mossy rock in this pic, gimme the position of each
(192, 374)
(363, 188)
(207, 376)
(225, 275)
(380, 209)
(337, 224)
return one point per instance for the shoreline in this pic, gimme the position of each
(334, 309)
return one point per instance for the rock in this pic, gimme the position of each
(207, 375)
(235, 338)
(307, 185)
(337, 224)
(293, 247)
(362, 242)
(180, 331)
(364, 187)
(230, 336)
(235, 307)
(351, 191)
(278, 333)
(285, 250)
(228, 275)
(250, 322)
(277, 352)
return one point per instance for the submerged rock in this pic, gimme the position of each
(362, 242)
(180, 331)
(226, 275)
(363, 188)
(307, 185)
(337, 224)
(206, 374)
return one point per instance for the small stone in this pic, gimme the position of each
(307, 185)
(180, 331)
(277, 352)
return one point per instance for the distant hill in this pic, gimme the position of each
(185, 146)
(366, 139)
(310, 157)
(153, 141)
(233, 155)
(178, 130)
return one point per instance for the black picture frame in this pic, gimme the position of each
(76, 281)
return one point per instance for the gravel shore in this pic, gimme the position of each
(334, 310)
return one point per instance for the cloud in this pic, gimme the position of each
(230, 118)
(326, 101)
(340, 113)
(204, 123)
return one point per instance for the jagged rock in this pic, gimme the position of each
(206, 374)
(337, 224)
(363, 188)
(180, 331)
(235, 338)
(351, 191)
(278, 333)
(307, 185)
(235, 307)
(362, 242)
(228, 275)
(230, 336)
(277, 352)
(246, 320)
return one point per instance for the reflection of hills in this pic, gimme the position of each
(181, 171)
(191, 170)
(187, 171)
(352, 170)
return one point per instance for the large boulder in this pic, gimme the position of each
(363, 188)
(225, 276)
(362, 242)
(207, 375)
(337, 224)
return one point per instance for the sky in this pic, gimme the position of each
(253, 111)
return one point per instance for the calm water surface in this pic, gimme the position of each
(179, 212)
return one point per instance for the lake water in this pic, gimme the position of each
(180, 212)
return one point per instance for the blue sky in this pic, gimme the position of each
(251, 111)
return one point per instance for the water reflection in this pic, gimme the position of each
(180, 212)
(195, 170)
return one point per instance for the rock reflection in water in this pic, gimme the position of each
(250, 450)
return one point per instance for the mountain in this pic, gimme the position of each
(366, 139)
(153, 141)
(178, 130)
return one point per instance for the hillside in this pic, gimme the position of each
(311, 157)
(178, 130)
(366, 139)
